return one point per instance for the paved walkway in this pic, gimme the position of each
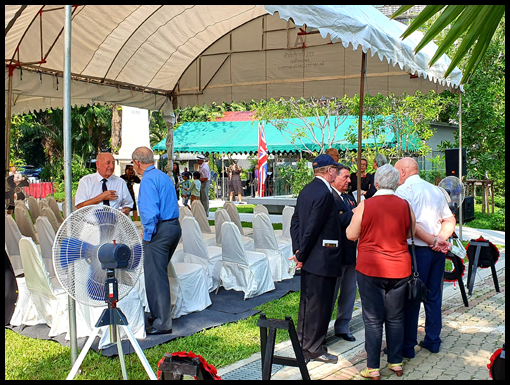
(470, 335)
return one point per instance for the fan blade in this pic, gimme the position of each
(136, 255)
(105, 217)
(95, 284)
(73, 249)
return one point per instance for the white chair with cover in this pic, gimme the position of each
(265, 242)
(12, 237)
(54, 207)
(196, 251)
(189, 288)
(234, 217)
(42, 204)
(34, 208)
(51, 303)
(283, 236)
(25, 225)
(48, 213)
(260, 209)
(221, 216)
(242, 270)
(199, 213)
(184, 212)
(46, 235)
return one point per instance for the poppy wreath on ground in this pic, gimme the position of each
(496, 365)
(451, 276)
(209, 372)
(483, 261)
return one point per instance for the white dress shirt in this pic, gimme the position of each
(91, 186)
(428, 203)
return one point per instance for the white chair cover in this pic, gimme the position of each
(25, 225)
(184, 212)
(189, 288)
(51, 303)
(221, 216)
(48, 213)
(283, 236)
(234, 215)
(25, 312)
(260, 209)
(242, 270)
(46, 235)
(265, 242)
(34, 208)
(12, 237)
(54, 207)
(42, 204)
(199, 213)
(196, 251)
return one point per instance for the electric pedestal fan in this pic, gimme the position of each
(98, 258)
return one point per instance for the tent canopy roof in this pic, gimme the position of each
(242, 137)
(136, 55)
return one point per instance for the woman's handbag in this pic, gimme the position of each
(416, 289)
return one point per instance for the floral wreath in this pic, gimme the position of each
(209, 372)
(451, 276)
(482, 262)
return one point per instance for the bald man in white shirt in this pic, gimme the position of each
(103, 187)
(434, 224)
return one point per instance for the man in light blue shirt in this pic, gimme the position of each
(159, 212)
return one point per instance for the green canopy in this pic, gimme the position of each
(242, 137)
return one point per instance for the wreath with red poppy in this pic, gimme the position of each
(451, 276)
(209, 372)
(483, 263)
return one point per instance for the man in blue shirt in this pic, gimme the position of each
(159, 212)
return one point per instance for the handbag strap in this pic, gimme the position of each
(413, 253)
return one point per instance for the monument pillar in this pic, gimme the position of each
(135, 133)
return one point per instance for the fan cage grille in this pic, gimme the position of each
(75, 253)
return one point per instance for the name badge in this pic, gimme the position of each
(329, 243)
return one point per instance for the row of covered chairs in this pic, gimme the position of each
(229, 260)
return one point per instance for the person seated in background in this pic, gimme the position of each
(131, 178)
(103, 187)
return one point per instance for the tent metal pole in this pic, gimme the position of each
(460, 160)
(8, 126)
(67, 163)
(360, 120)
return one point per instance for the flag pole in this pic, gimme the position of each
(360, 120)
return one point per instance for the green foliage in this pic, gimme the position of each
(297, 177)
(477, 22)
(438, 171)
(403, 115)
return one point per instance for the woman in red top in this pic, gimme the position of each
(383, 268)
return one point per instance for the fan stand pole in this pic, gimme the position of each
(115, 317)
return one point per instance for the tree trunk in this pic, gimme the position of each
(116, 128)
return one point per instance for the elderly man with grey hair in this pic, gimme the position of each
(379, 161)
(382, 224)
(159, 212)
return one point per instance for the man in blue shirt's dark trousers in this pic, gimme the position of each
(159, 213)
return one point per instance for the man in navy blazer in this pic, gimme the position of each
(315, 233)
(345, 205)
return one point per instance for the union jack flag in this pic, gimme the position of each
(262, 163)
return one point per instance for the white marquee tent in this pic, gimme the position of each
(145, 55)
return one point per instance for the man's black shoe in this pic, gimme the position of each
(327, 358)
(153, 331)
(346, 336)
